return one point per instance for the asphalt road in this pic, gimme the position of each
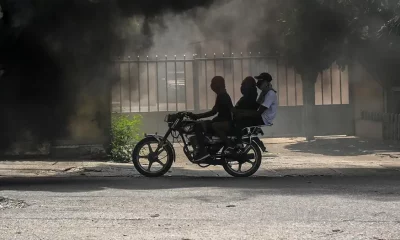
(330, 207)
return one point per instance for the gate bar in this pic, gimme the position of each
(138, 70)
(241, 63)
(295, 86)
(250, 67)
(129, 85)
(223, 65)
(233, 78)
(340, 83)
(148, 84)
(157, 97)
(184, 75)
(176, 86)
(322, 87)
(205, 77)
(166, 81)
(120, 89)
(330, 69)
(287, 87)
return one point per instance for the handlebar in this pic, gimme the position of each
(174, 116)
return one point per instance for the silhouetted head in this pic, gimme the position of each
(248, 86)
(218, 84)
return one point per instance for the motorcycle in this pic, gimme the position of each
(160, 154)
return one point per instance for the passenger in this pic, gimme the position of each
(249, 95)
(247, 101)
(223, 107)
(268, 103)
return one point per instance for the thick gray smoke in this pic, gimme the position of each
(55, 54)
(235, 23)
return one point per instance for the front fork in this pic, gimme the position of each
(161, 141)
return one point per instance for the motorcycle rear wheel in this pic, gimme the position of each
(255, 163)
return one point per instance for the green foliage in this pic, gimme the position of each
(125, 133)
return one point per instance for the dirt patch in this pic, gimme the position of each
(7, 203)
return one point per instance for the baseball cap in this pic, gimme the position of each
(264, 76)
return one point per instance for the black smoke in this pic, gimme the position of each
(53, 50)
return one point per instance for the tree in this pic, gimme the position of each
(374, 41)
(309, 36)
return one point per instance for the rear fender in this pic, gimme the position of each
(258, 141)
(158, 138)
(255, 140)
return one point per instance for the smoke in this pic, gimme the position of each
(229, 22)
(54, 54)
(55, 57)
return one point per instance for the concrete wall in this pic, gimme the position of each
(367, 96)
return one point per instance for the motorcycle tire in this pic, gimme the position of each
(136, 157)
(256, 166)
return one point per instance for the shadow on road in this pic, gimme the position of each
(380, 184)
(343, 147)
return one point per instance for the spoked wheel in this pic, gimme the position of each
(150, 163)
(246, 165)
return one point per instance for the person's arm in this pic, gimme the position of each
(210, 113)
(250, 113)
(264, 106)
(240, 103)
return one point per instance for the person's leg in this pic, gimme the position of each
(247, 122)
(200, 153)
(221, 129)
(239, 125)
(257, 121)
(198, 129)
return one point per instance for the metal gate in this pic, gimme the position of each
(155, 86)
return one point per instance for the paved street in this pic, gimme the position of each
(339, 188)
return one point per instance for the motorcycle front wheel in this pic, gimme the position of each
(244, 166)
(150, 163)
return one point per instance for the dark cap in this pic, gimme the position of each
(264, 77)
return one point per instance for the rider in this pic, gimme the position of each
(223, 107)
(247, 101)
(266, 112)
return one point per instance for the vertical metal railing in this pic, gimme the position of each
(233, 77)
(166, 82)
(390, 123)
(138, 82)
(157, 87)
(184, 76)
(327, 85)
(172, 76)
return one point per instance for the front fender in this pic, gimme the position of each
(159, 139)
